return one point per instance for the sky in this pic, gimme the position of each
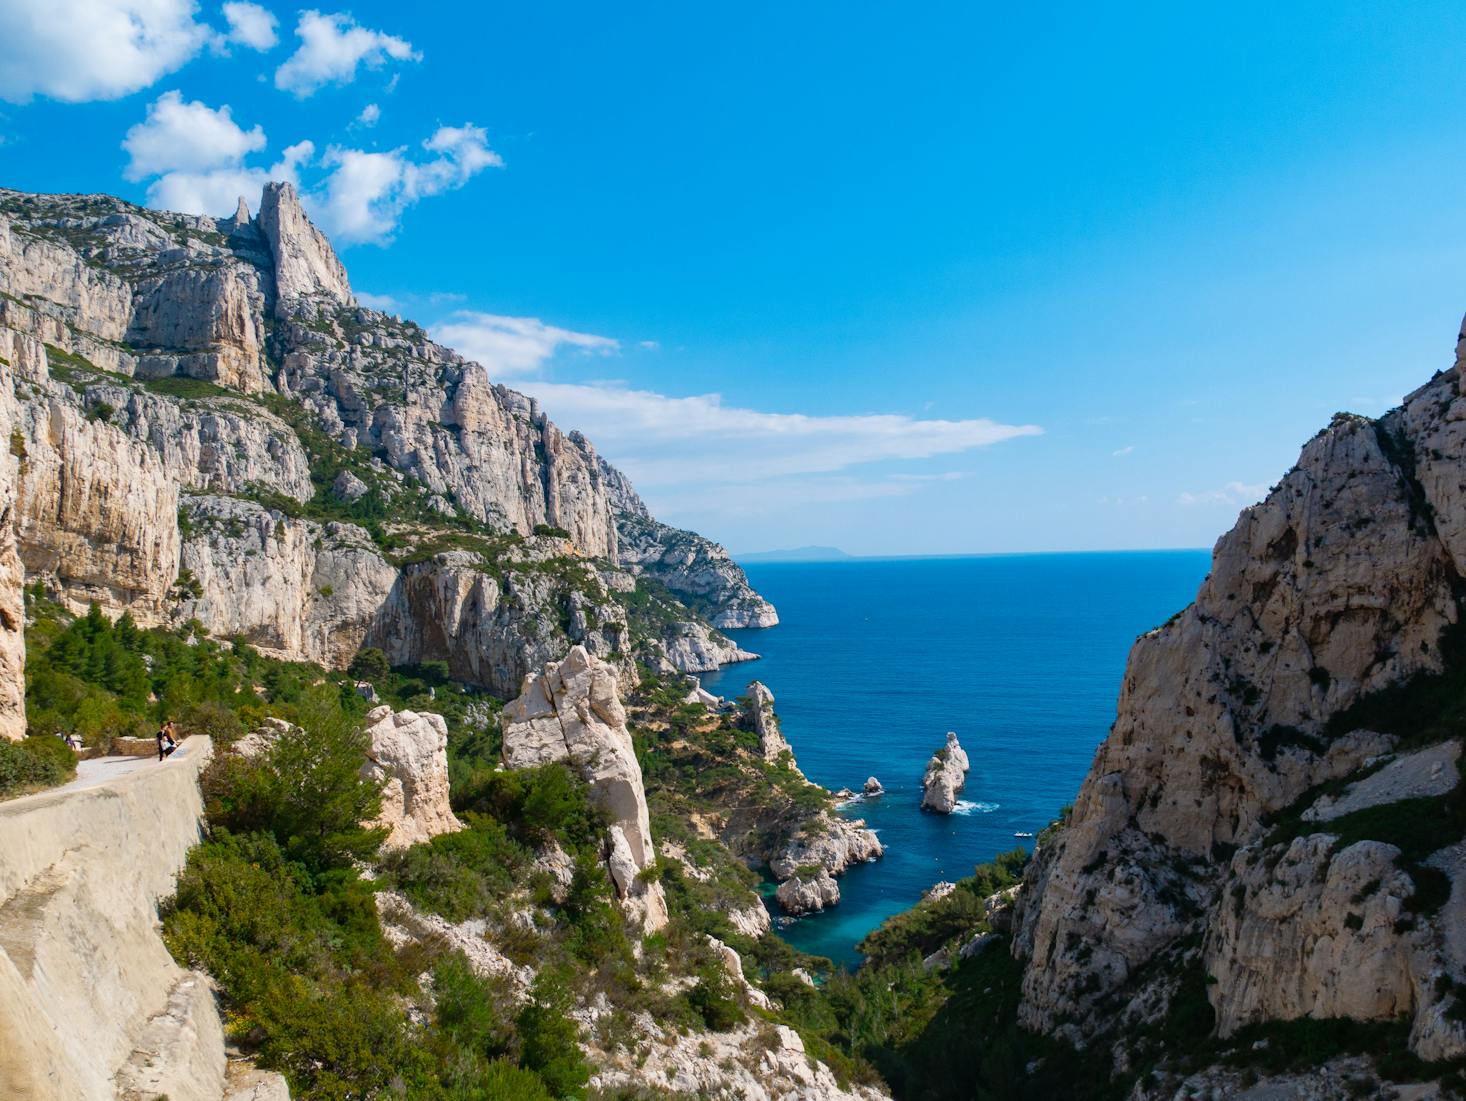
(902, 279)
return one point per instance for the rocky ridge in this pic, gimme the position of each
(1277, 788)
(168, 369)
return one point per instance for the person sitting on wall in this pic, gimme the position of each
(166, 744)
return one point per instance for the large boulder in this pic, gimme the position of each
(571, 711)
(409, 754)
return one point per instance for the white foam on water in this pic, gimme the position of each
(966, 807)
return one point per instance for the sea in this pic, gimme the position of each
(874, 660)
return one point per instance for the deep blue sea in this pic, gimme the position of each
(876, 659)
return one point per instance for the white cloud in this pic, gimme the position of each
(180, 136)
(366, 193)
(1233, 493)
(369, 116)
(661, 440)
(1123, 451)
(195, 156)
(748, 500)
(332, 48)
(650, 345)
(250, 25)
(384, 302)
(78, 50)
(217, 190)
(513, 345)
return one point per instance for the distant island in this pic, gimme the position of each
(795, 554)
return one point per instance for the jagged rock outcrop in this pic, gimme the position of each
(750, 921)
(571, 711)
(690, 647)
(756, 1061)
(1340, 583)
(732, 963)
(945, 775)
(822, 847)
(872, 787)
(759, 714)
(695, 569)
(828, 841)
(305, 264)
(408, 754)
(92, 1006)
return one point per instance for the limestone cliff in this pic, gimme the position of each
(760, 716)
(571, 711)
(696, 569)
(208, 425)
(1205, 817)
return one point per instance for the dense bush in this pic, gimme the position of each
(305, 790)
(99, 679)
(549, 1039)
(460, 875)
(715, 1000)
(36, 762)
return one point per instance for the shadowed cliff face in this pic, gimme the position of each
(207, 425)
(1344, 582)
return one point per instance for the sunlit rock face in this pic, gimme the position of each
(1340, 583)
(571, 711)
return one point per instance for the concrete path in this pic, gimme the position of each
(99, 770)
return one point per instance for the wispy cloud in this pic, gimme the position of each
(384, 302)
(195, 156)
(661, 440)
(512, 346)
(1233, 493)
(1121, 452)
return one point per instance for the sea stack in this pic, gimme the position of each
(873, 787)
(946, 772)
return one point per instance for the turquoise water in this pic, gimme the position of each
(875, 660)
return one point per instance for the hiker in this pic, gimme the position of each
(166, 744)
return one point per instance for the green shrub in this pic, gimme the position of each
(460, 875)
(305, 790)
(549, 1039)
(715, 1000)
(40, 761)
(467, 1010)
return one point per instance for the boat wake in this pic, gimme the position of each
(965, 807)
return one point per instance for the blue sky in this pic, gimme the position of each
(958, 279)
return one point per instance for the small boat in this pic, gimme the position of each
(1022, 833)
